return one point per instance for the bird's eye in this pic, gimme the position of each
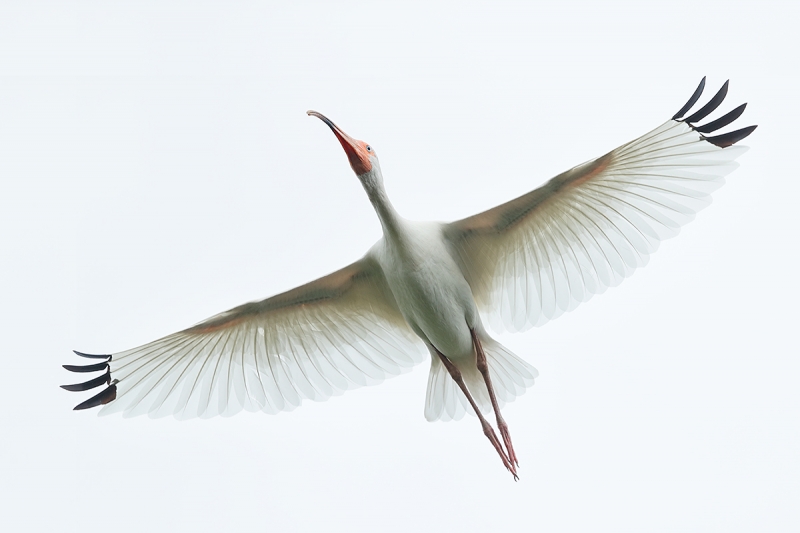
(369, 148)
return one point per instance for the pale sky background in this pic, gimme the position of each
(157, 167)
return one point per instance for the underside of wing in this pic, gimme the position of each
(541, 254)
(336, 333)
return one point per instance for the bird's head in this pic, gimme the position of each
(361, 155)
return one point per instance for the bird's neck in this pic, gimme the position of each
(390, 220)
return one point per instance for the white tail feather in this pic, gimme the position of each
(511, 376)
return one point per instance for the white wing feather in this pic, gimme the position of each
(336, 333)
(537, 256)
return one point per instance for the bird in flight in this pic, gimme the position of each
(433, 284)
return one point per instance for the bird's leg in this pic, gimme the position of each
(483, 368)
(455, 373)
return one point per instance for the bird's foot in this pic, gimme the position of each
(503, 427)
(507, 462)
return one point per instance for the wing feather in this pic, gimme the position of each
(540, 255)
(336, 333)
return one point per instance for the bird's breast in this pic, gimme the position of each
(432, 293)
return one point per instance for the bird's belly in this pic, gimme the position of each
(440, 309)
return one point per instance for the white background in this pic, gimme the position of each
(157, 167)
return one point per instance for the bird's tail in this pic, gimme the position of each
(511, 376)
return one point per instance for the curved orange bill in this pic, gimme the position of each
(356, 153)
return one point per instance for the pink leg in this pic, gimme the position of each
(483, 368)
(455, 373)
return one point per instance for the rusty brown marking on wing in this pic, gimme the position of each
(218, 324)
(321, 290)
(583, 173)
(506, 216)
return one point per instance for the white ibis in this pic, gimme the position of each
(428, 283)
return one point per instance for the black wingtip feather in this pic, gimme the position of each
(726, 139)
(729, 139)
(103, 398)
(107, 357)
(92, 383)
(712, 104)
(693, 100)
(86, 368)
(108, 395)
(721, 122)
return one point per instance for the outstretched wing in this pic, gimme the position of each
(336, 333)
(541, 254)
